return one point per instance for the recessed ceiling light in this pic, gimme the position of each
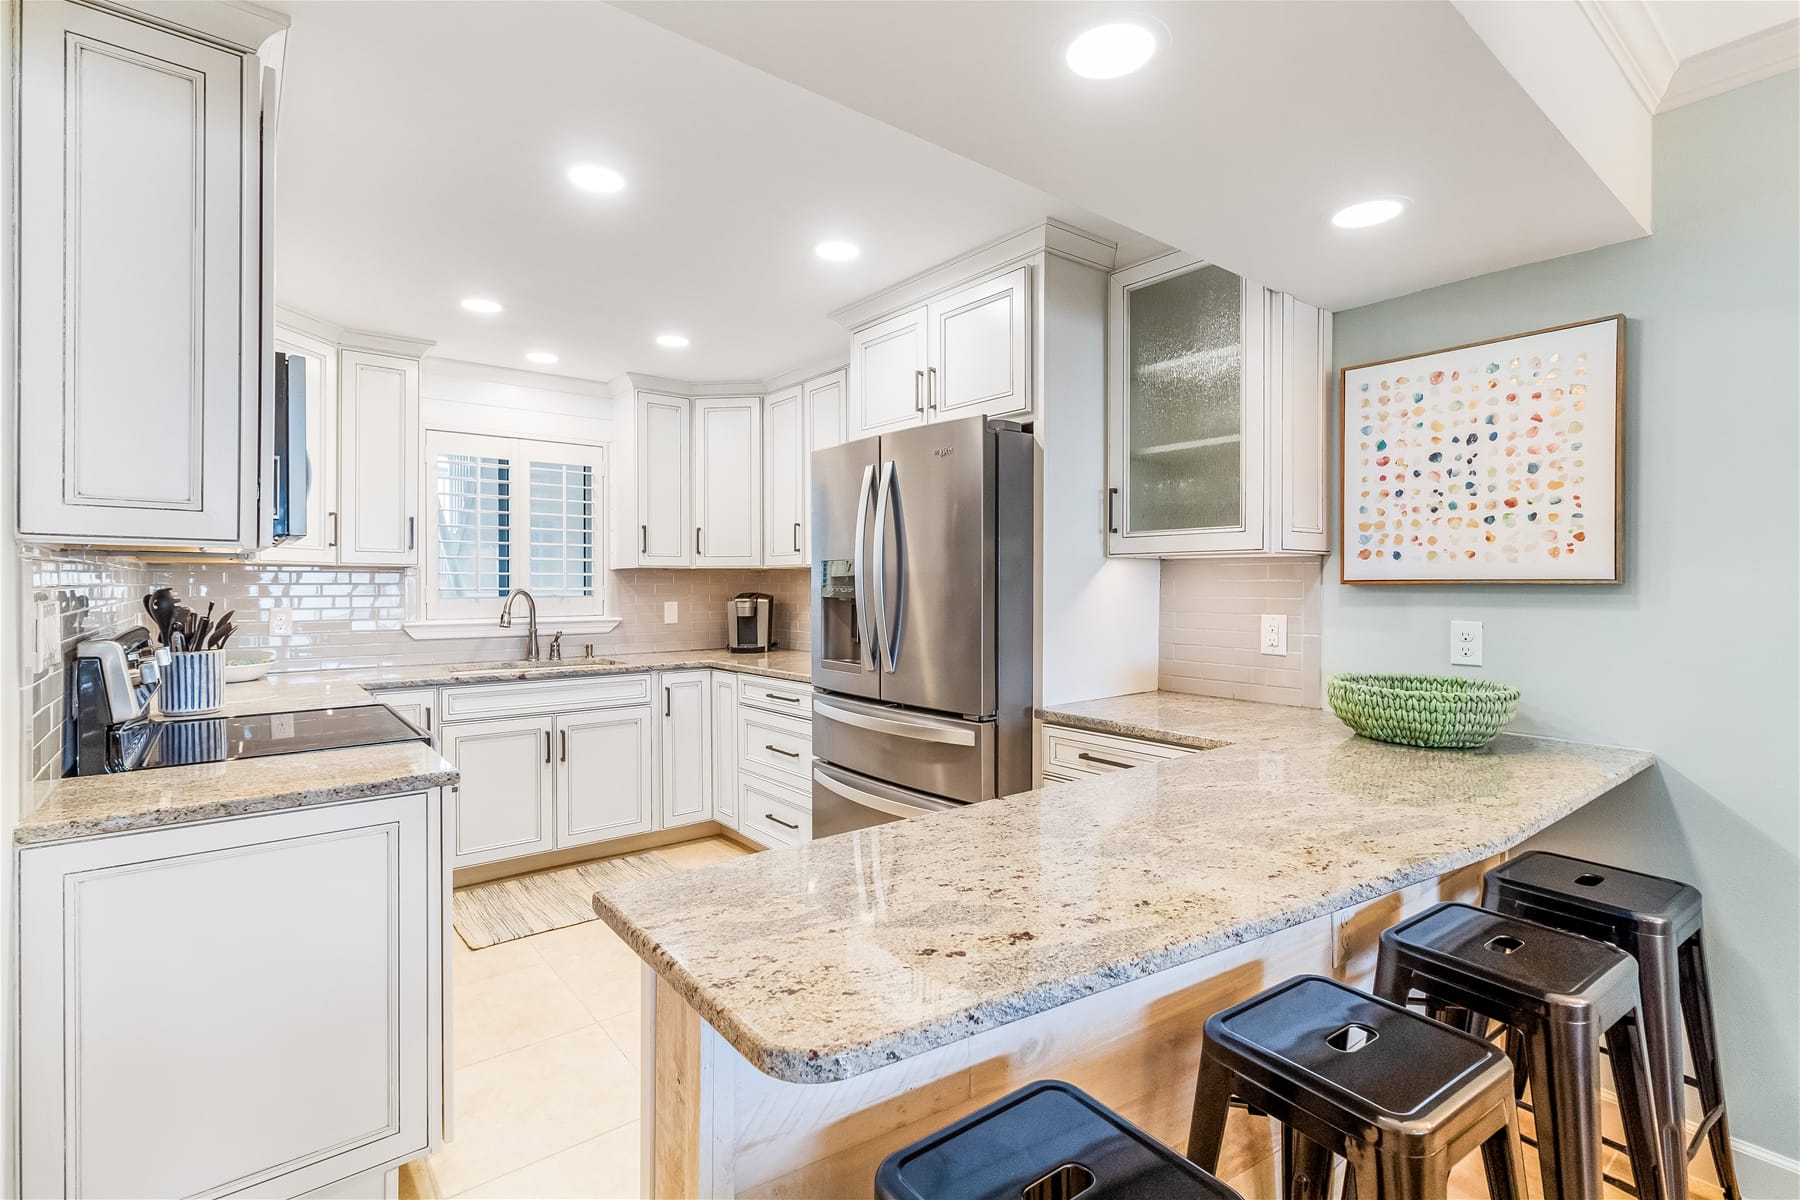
(837, 251)
(476, 304)
(1368, 212)
(673, 341)
(540, 356)
(590, 177)
(1109, 51)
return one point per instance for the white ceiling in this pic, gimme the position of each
(1253, 123)
(422, 150)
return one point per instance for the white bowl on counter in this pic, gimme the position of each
(247, 666)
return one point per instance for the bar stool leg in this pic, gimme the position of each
(1305, 1167)
(1631, 1069)
(1405, 1178)
(1659, 990)
(1564, 1105)
(1362, 1174)
(1212, 1104)
(1504, 1160)
(1696, 1011)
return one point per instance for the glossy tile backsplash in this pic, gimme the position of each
(1208, 639)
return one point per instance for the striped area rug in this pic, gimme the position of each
(490, 913)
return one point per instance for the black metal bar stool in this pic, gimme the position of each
(1562, 993)
(1400, 1097)
(1046, 1141)
(1656, 921)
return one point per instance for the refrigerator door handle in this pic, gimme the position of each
(918, 731)
(881, 804)
(861, 597)
(890, 632)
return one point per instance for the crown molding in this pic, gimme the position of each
(1630, 35)
(1734, 64)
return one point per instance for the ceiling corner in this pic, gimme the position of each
(1631, 36)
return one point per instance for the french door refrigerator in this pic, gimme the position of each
(922, 610)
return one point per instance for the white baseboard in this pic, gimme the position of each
(1764, 1174)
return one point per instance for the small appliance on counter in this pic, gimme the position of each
(748, 618)
(107, 725)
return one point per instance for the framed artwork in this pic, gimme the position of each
(1495, 462)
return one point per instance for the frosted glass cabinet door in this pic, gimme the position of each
(1187, 395)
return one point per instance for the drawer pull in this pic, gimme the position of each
(1084, 756)
(779, 750)
(780, 697)
(784, 824)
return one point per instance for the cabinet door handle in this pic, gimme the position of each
(412, 533)
(563, 736)
(334, 531)
(1084, 756)
(665, 702)
(918, 391)
(931, 387)
(1112, 521)
(697, 550)
(428, 720)
(779, 821)
(546, 745)
(779, 750)
(643, 539)
(796, 537)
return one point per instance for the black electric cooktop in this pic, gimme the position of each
(170, 743)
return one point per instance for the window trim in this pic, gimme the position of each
(461, 619)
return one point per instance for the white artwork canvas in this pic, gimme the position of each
(1498, 462)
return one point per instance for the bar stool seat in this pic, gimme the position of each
(1400, 1097)
(1658, 922)
(1047, 1141)
(1561, 994)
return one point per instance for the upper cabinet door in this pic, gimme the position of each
(888, 362)
(784, 479)
(826, 400)
(1187, 410)
(322, 517)
(728, 482)
(378, 459)
(981, 350)
(138, 355)
(665, 529)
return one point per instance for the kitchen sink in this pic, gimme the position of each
(524, 665)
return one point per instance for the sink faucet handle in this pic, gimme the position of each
(556, 646)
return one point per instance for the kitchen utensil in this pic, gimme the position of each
(177, 641)
(223, 630)
(161, 606)
(204, 624)
(1423, 710)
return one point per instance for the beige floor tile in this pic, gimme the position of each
(466, 964)
(504, 1012)
(627, 1032)
(530, 1103)
(606, 1166)
(601, 970)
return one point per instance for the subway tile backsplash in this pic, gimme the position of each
(1208, 638)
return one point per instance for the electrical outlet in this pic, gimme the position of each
(48, 641)
(671, 611)
(1273, 638)
(1465, 643)
(281, 622)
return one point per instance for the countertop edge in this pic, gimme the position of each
(579, 671)
(813, 1065)
(1068, 720)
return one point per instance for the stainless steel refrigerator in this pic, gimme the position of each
(922, 612)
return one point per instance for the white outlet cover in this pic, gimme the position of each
(1271, 635)
(1465, 643)
(281, 622)
(671, 611)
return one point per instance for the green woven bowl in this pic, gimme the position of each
(1423, 710)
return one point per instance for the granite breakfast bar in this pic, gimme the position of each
(809, 1010)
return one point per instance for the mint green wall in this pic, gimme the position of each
(1695, 657)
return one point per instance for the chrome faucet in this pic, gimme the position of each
(531, 637)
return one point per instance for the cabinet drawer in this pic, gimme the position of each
(775, 745)
(776, 695)
(549, 695)
(1078, 752)
(772, 814)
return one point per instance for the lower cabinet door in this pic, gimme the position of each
(242, 1006)
(503, 806)
(686, 777)
(605, 774)
(724, 753)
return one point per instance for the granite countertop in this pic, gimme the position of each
(826, 960)
(794, 666)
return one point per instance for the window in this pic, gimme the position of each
(509, 513)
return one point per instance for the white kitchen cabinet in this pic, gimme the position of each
(504, 805)
(271, 1044)
(140, 241)
(378, 459)
(605, 774)
(773, 814)
(980, 347)
(319, 546)
(826, 399)
(418, 705)
(784, 478)
(724, 748)
(1077, 753)
(662, 534)
(1215, 407)
(888, 361)
(685, 739)
(728, 481)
